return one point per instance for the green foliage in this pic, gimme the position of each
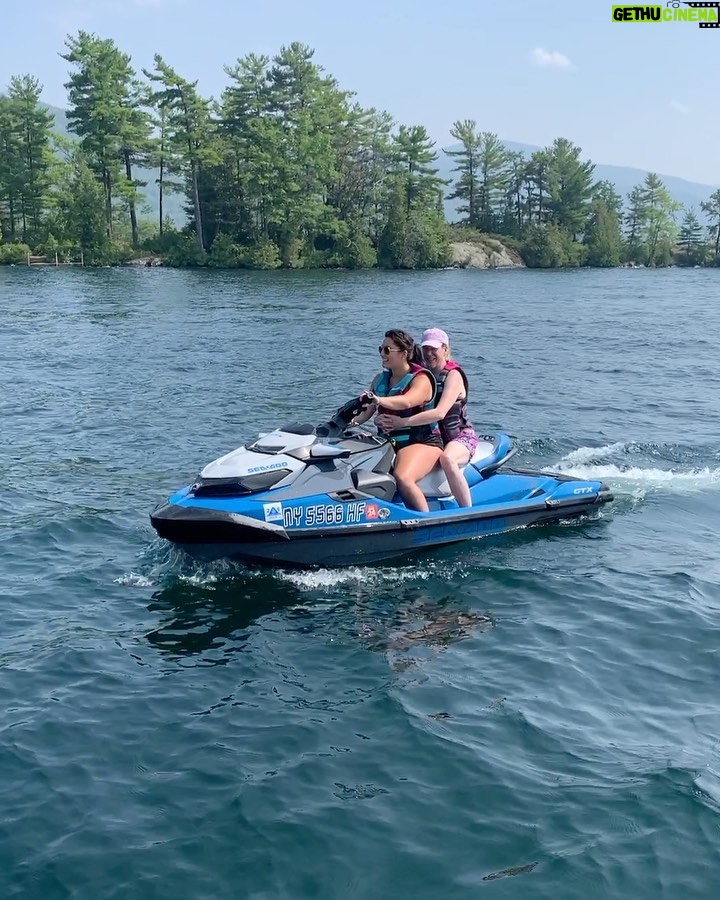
(605, 192)
(159, 242)
(226, 254)
(550, 247)
(364, 159)
(188, 133)
(80, 207)
(656, 217)
(359, 251)
(634, 220)
(485, 168)
(603, 239)
(265, 255)
(693, 251)
(340, 245)
(105, 112)
(413, 167)
(285, 130)
(570, 187)
(415, 239)
(182, 250)
(466, 188)
(711, 208)
(13, 254)
(415, 234)
(515, 205)
(25, 159)
(536, 188)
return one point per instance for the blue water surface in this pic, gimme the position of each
(532, 715)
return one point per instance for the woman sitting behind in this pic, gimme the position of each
(450, 412)
(404, 388)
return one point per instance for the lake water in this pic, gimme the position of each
(533, 715)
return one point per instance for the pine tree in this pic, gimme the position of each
(711, 208)
(659, 228)
(537, 188)
(11, 178)
(81, 208)
(515, 209)
(570, 185)
(105, 112)
(189, 131)
(415, 235)
(414, 155)
(35, 159)
(603, 238)
(466, 188)
(690, 239)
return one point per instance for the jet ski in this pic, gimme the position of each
(324, 495)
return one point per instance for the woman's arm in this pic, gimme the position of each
(369, 410)
(451, 392)
(419, 392)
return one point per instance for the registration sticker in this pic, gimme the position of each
(273, 512)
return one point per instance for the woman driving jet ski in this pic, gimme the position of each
(405, 387)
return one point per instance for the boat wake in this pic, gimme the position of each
(617, 465)
(161, 565)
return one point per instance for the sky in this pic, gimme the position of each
(641, 95)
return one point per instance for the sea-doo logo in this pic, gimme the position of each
(273, 512)
(276, 465)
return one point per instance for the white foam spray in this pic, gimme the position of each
(593, 464)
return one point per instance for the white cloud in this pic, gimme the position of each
(550, 59)
(679, 107)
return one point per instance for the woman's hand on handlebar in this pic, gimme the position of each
(387, 422)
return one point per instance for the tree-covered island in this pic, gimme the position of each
(285, 169)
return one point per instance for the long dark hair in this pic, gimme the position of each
(406, 342)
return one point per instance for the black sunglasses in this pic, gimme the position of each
(384, 350)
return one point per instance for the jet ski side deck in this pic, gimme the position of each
(352, 528)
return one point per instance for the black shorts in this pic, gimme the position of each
(432, 440)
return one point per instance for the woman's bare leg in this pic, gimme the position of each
(454, 455)
(412, 464)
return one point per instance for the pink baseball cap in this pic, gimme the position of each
(435, 337)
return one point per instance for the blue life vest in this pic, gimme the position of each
(411, 434)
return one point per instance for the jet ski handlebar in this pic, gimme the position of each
(344, 415)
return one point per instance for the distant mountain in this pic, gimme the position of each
(689, 193)
(173, 204)
(61, 121)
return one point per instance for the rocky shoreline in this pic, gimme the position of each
(488, 254)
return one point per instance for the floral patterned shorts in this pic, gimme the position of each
(468, 439)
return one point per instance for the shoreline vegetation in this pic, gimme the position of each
(286, 170)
